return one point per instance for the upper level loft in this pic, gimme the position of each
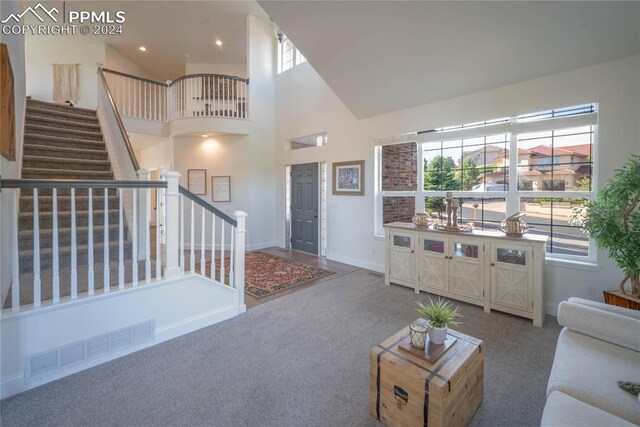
(190, 104)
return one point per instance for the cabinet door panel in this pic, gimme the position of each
(511, 276)
(434, 271)
(402, 258)
(465, 268)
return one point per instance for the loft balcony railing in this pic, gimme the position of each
(194, 95)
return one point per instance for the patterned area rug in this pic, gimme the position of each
(266, 274)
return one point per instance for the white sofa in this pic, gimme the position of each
(599, 346)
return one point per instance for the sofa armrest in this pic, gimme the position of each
(607, 307)
(603, 325)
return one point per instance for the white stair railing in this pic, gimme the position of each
(66, 256)
(194, 95)
(226, 270)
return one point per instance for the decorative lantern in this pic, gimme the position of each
(418, 334)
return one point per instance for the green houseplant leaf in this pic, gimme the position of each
(440, 313)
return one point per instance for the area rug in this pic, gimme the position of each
(266, 274)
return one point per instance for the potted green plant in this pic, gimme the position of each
(440, 315)
(613, 222)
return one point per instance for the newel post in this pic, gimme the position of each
(143, 214)
(172, 225)
(239, 249)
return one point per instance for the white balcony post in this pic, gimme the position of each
(143, 215)
(172, 225)
(239, 249)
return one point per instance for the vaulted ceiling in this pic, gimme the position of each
(390, 55)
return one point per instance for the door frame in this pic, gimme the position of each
(322, 206)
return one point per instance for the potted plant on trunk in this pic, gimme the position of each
(440, 315)
(613, 222)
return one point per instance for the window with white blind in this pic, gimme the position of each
(288, 55)
(541, 163)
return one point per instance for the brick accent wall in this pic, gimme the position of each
(398, 209)
(399, 167)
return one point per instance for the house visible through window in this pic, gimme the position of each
(288, 55)
(540, 163)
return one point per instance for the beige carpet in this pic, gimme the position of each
(298, 360)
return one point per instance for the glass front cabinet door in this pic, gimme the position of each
(434, 271)
(465, 268)
(511, 276)
(402, 258)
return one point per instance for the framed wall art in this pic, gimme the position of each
(221, 188)
(348, 178)
(197, 181)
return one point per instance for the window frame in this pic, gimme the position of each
(297, 57)
(513, 127)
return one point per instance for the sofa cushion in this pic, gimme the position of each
(563, 410)
(606, 307)
(588, 369)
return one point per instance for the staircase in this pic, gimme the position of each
(62, 142)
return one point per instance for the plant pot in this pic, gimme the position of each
(438, 335)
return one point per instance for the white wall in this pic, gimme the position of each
(306, 105)
(239, 70)
(11, 169)
(114, 60)
(40, 55)
(155, 156)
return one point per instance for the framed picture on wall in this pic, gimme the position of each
(197, 181)
(348, 178)
(221, 188)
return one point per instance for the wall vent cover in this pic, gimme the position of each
(48, 362)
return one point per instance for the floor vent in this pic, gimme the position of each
(91, 348)
(375, 273)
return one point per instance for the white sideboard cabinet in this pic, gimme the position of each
(485, 268)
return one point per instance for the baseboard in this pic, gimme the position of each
(551, 308)
(356, 262)
(16, 384)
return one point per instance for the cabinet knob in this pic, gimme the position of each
(493, 264)
(412, 251)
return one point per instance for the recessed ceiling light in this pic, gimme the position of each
(218, 42)
(142, 48)
(204, 136)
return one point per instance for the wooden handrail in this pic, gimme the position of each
(69, 183)
(217, 212)
(131, 76)
(123, 131)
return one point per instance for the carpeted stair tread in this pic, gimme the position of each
(48, 130)
(60, 122)
(44, 173)
(68, 164)
(45, 203)
(65, 152)
(62, 107)
(85, 118)
(64, 214)
(62, 141)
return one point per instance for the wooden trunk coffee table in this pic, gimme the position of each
(407, 390)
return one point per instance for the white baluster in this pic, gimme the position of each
(37, 283)
(74, 247)
(90, 272)
(213, 247)
(145, 113)
(202, 247)
(56, 255)
(239, 258)
(192, 260)
(120, 240)
(231, 253)
(15, 263)
(158, 260)
(182, 266)
(216, 95)
(222, 260)
(134, 239)
(105, 252)
(147, 239)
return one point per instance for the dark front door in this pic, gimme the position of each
(304, 207)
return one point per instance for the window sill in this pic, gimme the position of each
(577, 265)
